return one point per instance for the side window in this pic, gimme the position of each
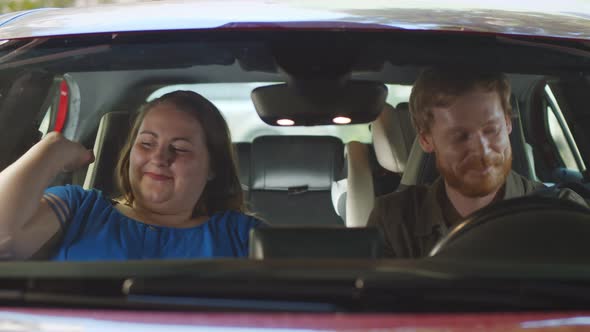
(562, 139)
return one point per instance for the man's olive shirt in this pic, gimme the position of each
(413, 220)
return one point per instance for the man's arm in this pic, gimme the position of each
(571, 191)
(571, 195)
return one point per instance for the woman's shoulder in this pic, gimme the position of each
(235, 218)
(67, 189)
(77, 195)
(74, 188)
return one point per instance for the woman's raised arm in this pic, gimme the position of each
(27, 221)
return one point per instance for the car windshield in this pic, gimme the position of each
(293, 165)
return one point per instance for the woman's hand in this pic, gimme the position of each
(71, 155)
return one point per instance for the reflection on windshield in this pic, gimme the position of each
(233, 100)
(10, 321)
(574, 321)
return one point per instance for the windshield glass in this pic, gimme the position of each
(325, 169)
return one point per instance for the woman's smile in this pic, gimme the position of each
(157, 177)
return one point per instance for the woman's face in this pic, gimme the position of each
(169, 161)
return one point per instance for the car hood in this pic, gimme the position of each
(566, 19)
(54, 319)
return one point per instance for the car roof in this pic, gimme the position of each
(565, 19)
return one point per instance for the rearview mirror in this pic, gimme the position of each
(316, 102)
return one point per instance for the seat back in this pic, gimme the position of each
(110, 138)
(360, 192)
(291, 179)
(314, 243)
(393, 136)
(242, 156)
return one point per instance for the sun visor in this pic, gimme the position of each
(319, 103)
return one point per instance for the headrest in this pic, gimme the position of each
(314, 243)
(393, 135)
(295, 163)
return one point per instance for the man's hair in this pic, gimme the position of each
(224, 191)
(440, 87)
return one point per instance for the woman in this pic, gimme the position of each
(181, 194)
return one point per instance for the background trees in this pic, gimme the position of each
(7, 6)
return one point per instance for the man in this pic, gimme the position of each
(464, 118)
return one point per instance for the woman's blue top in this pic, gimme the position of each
(95, 230)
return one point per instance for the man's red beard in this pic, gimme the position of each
(500, 167)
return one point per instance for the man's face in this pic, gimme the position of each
(471, 144)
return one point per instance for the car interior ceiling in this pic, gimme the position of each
(289, 179)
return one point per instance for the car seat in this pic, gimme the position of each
(291, 178)
(110, 138)
(393, 135)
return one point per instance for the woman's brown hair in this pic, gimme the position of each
(224, 191)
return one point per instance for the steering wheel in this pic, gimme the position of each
(529, 228)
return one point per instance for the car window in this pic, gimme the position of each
(563, 141)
